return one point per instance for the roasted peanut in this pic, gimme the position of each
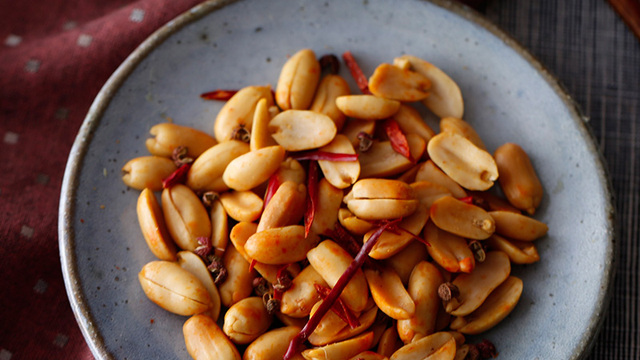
(411, 122)
(352, 223)
(253, 168)
(271, 345)
(389, 342)
(341, 350)
(369, 355)
(326, 208)
(327, 328)
(290, 169)
(147, 172)
(389, 293)
(246, 320)
(298, 130)
(206, 171)
(340, 174)
(298, 300)
(517, 226)
(494, 309)
(428, 171)
(391, 82)
(239, 283)
(367, 107)
(206, 341)
(467, 164)
(381, 160)
(448, 250)
(462, 128)
(324, 102)
(154, 229)
(519, 252)
(298, 81)
(406, 260)
(476, 286)
(330, 260)
(174, 288)
(365, 319)
(445, 98)
(219, 227)
(354, 128)
(260, 136)
(392, 242)
(193, 264)
(186, 217)
(281, 245)
(427, 192)
(290, 196)
(242, 205)
(518, 178)
(170, 136)
(238, 112)
(437, 346)
(377, 199)
(423, 289)
(460, 218)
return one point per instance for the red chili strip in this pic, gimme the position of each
(324, 155)
(339, 308)
(356, 72)
(468, 200)
(398, 140)
(272, 187)
(312, 188)
(177, 177)
(252, 264)
(222, 95)
(337, 289)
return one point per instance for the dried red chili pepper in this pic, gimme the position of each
(272, 187)
(177, 177)
(312, 200)
(337, 289)
(339, 308)
(222, 95)
(324, 155)
(398, 140)
(252, 264)
(356, 72)
(467, 200)
(343, 238)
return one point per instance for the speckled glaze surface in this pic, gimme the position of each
(509, 97)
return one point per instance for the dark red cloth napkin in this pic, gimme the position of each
(55, 55)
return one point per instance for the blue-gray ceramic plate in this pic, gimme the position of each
(509, 97)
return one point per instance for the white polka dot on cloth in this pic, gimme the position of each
(32, 66)
(26, 231)
(5, 354)
(137, 15)
(40, 287)
(11, 138)
(61, 340)
(84, 40)
(13, 40)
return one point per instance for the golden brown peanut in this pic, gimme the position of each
(392, 242)
(380, 189)
(409, 176)
(353, 127)
(242, 205)
(260, 136)
(341, 350)
(340, 174)
(365, 319)
(517, 226)
(462, 351)
(518, 178)
(193, 264)
(324, 102)
(245, 320)
(291, 170)
(519, 252)
(298, 130)
(238, 112)
(298, 300)
(219, 227)
(448, 250)
(369, 355)
(468, 165)
(206, 171)
(476, 286)
(462, 128)
(410, 121)
(154, 229)
(423, 289)
(381, 160)
(427, 192)
(272, 344)
(239, 235)
(389, 293)
(174, 288)
(186, 217)
(404, 261)
(445, 98)
(206, 341)
(367, 107)
(239, 283)
(169, 136)
(437, 346)
(253, 168)
(391, 82)
(352, 223)
(298, 80)
(428, 171)
(460, 218)
(290, 197)
(494, 309)
(287, 320)
(147, 172)
(492, 202)
(281, 245)
(389, 342)
(378, 199)
(331, 260)
(326, 208)
(327, 328)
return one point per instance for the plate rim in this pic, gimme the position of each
(66, 236)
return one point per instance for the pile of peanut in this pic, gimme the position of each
(264, 217)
